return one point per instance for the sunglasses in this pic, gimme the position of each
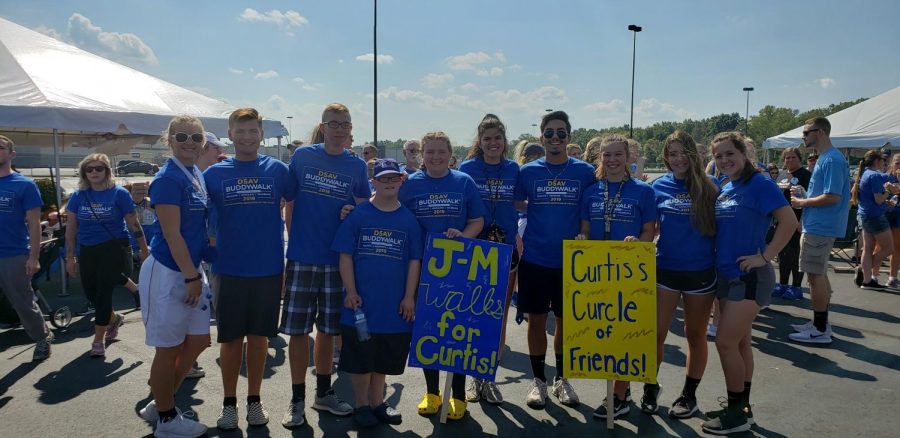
(182, 137)
(92, 169)
(389, 179)
(811, 159)
(806, 133)
(560, 133)
(335, 125)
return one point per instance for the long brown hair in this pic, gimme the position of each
(703, 192)
(868, 160)
(490, 121)
(740, 143)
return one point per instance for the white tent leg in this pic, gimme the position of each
(62, 269)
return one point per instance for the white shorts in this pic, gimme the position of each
(167, 318)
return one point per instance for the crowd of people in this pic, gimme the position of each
(355, 237)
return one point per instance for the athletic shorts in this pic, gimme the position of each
(815, 252)
(312, 293)
(248, 306)
(688, 282)
(756, 285)
(383, 353)
(167, 318)
(874, 225)
(540, 289)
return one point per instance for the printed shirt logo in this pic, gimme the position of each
(438, 205)
(556, 191)
(325, 183)
(96, 212)
(250, 190)
(196, 201)
(679, 203)
(727, 205)
(6, 201)
(504, 190)
(624, 211)
(381, 243)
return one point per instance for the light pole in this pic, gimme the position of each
(747, 111)
(290, 131)
(634, 28)
(375, 70)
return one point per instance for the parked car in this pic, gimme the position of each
(126, 167)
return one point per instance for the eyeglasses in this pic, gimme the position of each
(182, 137)
(389, 179)
(335, 125)
(560, 133)
(806, 133)
(92, 169)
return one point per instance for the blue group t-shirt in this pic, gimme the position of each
(870, 184)
(171, 186)
(636, 207)
(497, 185)
(324, 184)
(246, 196)
(831, 175)
(382, 244)
(743, 215)
(18, 194)
(442, 203)
(680, 246)
(553, 192)
(101, 214)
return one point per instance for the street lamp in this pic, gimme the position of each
(634, 28)
(747, 113)
(290, 131)
(375, 69)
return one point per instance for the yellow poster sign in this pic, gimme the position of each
(609, 317)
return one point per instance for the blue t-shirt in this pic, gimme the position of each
(18, 194)
(636, 207)
(553, 192)
(171, 186)
(101, 215)
(246, 196)
(497, 185)
(680, 246)
(871, 183)
(831, 175)
(442, 203)
(324, 184)
(743, 215)
(382, 244)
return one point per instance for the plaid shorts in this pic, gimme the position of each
(312, 292)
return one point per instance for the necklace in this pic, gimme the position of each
(556, 177)
(610, 206)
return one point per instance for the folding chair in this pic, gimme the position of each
(850, 241)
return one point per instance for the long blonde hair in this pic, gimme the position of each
(703, 192)
(607, 140)
(83, 183)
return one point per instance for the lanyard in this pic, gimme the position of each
(196, 179)
(610, 206)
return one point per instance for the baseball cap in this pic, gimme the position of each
(386, 166)
(532, 149)
(213, 140)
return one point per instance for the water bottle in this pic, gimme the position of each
(362, 326)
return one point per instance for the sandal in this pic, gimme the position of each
(430, 404)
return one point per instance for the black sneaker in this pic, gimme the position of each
(364, 417)
(748, 411)
(872, 285)
(728, 422)
(858, 279)
(620, 408)
(649, 403)
(387, 414)
(684, 407)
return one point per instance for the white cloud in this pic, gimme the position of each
(306, 85)
(826, 83)
(233, 70)
(115, 45)
(514, 67)
(49, 31)
(617, 112)
(286, 19)
(266, 75)
(275, 103)
(615, 105)
(507, 100)
(493, 72)
(433, 80)
(467, 61)
(500, 57)
(382, 59)
(340, 61)
(470, 87)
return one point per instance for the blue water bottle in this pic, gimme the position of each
(362, 326)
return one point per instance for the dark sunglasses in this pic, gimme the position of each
(92, 169)
(182, 137)
(335, 125)
(560, 133)
(812, 159)
(389, 179)
(806, 133)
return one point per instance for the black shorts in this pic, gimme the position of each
(688, 282)
(756, 285)
(540, 289)
(383, 353)
(247, 306)
(514, 265)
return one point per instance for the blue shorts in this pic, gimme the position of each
(874, 225)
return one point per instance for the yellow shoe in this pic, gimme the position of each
(430, 404)
(457, 409)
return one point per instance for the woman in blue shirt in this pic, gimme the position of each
(496, 178)
(894, 219)
(99, 211)
(685, 263)
(870, 193)
(744, 209)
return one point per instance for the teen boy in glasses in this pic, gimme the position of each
(549, 190)
(327, 178)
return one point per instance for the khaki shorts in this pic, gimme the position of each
(815, 251)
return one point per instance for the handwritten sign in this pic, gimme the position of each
(609, 297)
(459, 310)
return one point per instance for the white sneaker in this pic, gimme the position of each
(474, 389)
(149, 413)
(179, 427)
(812, 336)
(564, 392)
(537, 394)
(802, 327)
(257, 415)
(228, 419)
(295, 415)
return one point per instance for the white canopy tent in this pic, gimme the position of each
(866, 125)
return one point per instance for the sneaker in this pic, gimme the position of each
(97, 349)
(364, 418)
(257, 415)
(42, 348)
(812, 336)
(149, 413)
(537, 394)
(295, 415)
(872, 285)
(196, 372)
(764, 307)
(474, 389)
(893, 284)
(620, 408)
(802, 327)
(112, 330)
(491, 394)
(564, 392)
(387, 414)
(793, 293)
(649, 403)
(748, 411)
(711, 330)
(858, 279)
(179, 427)
(684, 407)
(228, 419)
(779, 290)
(331, 403)
(730, 421)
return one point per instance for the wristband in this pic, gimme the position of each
(192, 279)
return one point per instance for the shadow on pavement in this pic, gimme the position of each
(80, 375)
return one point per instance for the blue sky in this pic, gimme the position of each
(444, 64)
